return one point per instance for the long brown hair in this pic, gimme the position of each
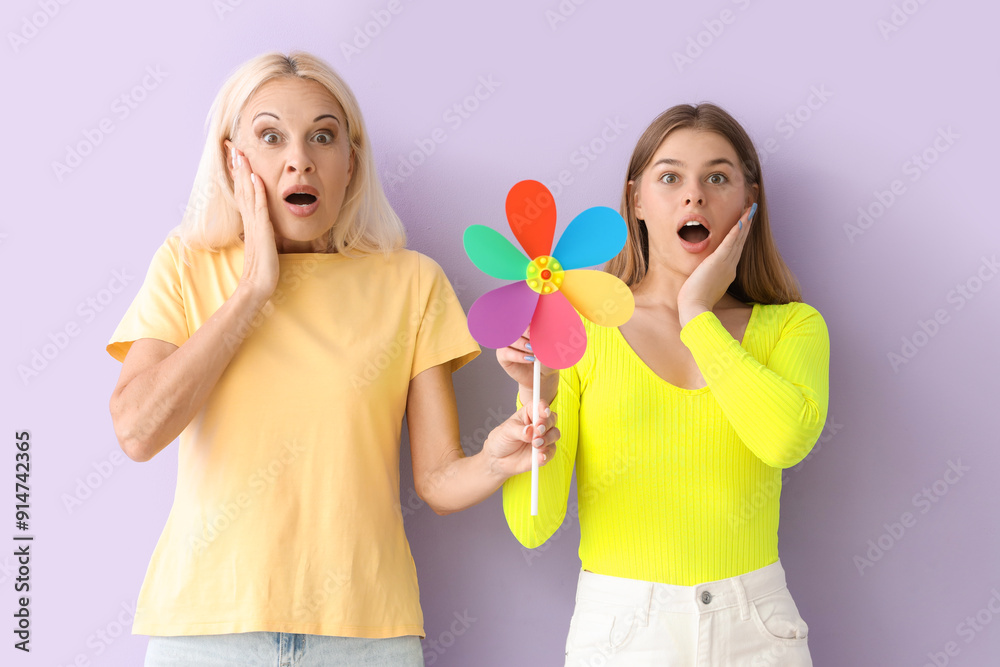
(761, 275)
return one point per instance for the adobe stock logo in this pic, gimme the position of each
(59, 340)
(122, 107)
(30, 26)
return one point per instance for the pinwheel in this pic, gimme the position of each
(551, 284)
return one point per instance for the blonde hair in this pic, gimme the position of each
(366, 222)
(761, 274)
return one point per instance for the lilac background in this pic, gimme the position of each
(890, 433)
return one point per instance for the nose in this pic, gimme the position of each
(694, 195)
(299, 159)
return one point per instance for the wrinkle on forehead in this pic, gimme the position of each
(273, 96)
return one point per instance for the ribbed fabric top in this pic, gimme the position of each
(682, 486)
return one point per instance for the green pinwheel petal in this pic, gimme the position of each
(493, 254)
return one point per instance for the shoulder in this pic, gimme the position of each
(403, 260)
(416, 270)
(183, 255)
(428, 270)
(166, 259)
(786, 317)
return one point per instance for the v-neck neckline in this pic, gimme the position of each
(699, 390)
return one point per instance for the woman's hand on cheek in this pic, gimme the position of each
(708, 283)
(510, 445)
(260, 259)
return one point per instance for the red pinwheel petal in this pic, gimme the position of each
(499, 317)
(531, 214)
(558, 338)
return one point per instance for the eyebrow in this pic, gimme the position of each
(710, 163)
(315, 120)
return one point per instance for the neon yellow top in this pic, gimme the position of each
(286, 514)
(682, 486)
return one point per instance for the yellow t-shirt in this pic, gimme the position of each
(681, 486)
(286, 514)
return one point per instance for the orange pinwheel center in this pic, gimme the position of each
(544, 274)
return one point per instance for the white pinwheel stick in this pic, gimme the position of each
(536, 396)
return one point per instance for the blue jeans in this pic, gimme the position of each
(282, 649)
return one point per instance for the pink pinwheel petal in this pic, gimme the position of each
(558, 338)
(499, 317)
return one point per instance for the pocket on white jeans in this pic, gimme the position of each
(601, 630)
(777, 618)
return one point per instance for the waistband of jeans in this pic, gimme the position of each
(702, 598)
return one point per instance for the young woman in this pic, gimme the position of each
(680, 422)
(283, 333)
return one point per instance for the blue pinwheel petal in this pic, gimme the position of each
(593, 237)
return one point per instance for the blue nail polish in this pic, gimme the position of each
(528, 357)
(753, 209)
(528, 345)
(741, 224)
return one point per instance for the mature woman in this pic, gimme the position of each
(681, 421)
(283, 333)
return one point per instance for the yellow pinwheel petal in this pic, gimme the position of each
(600, 297)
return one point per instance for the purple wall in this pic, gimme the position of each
(883, 107)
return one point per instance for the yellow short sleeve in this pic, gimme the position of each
(158, 309)
(442, 331)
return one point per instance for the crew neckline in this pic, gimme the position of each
(324, 256)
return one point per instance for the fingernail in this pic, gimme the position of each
(741, 224)
(547, 411)
(537, 442)
(528, 345)
(253, 177)
(544, 458)
(541, 430)
(753, 209)
(528, 357)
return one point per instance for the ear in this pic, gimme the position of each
(350, 167)
(755, 195)
(633, 192)
(229, 148)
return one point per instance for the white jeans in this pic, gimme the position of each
(745, 621)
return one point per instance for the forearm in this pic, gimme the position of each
(461, 482)
(777, 418)
(158, 403)
(553, 496)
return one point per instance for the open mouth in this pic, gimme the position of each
(693, 233)
(300, 199)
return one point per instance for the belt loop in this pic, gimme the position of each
(741, 595)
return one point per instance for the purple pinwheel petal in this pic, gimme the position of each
(558, 338)
(499, 317)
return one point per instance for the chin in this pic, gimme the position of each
(301, 230)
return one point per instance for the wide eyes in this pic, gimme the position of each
(271, 137)
(719, 178)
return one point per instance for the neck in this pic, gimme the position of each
(287, 246)
(662, 283)
(659, 287)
